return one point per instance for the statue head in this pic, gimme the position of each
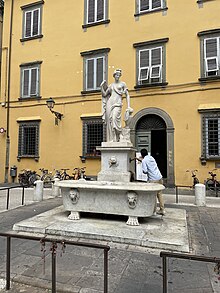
(117, 73)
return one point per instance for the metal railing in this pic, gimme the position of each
(177, 191)
(166, 255)
(8, 194)
(53, 242)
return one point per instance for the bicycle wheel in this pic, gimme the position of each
(47, 180)
(22, 180)
(210, 187)
(217, 188)
(32, 179)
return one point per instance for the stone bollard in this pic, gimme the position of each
(38, 190)
(55, 189)
(200, 195)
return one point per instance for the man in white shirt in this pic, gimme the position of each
(149, 167)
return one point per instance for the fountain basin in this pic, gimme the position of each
(118, 198)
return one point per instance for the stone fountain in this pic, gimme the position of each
(112, 193)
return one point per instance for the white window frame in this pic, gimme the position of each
(206, 69)
(95, 87)
(156, 66)
(32, 18)
(150, 6)
(95, 12)
(147, 75)
(29, 69)
(150, 67)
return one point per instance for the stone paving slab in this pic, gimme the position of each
(132, 269)
(167, 232)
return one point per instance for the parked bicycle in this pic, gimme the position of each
(64, 175)
(212, 184)
(27, 177)
(46, 177)
(79, 173)
(194, 177)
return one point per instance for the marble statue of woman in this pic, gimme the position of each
(112, 105)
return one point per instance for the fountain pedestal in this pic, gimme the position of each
(115, 164)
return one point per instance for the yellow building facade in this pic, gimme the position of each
(169, 53)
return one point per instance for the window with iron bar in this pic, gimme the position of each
(28, 139)
(93, 136)
(211, 135)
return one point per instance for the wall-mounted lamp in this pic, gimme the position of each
(50, 105)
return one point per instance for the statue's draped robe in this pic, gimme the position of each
(112, 108)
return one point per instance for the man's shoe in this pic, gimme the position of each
(161, 212)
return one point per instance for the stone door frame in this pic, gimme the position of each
(170, 138)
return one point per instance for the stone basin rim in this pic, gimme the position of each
(82, 183)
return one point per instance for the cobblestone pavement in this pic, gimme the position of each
(131, 269)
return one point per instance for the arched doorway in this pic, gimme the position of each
(152, 128)
(151, 134)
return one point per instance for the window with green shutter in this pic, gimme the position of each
(94, 72)
(145, 6)
(96, 12)
(210, 54)
(30, 80)
(95, 68)
(151, 69)
(32, 21)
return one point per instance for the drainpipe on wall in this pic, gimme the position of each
(8, 100)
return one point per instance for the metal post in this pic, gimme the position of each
(22, 199)
(53, 250)
(176, 194)
(8, 263)
(164, 261)
(105, 270)
(7, 203)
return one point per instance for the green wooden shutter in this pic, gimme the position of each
(156, 4)
(91, 11)
(28, 16)
(25, 82)
(144, 5)
(99, 71)
(100, 9)
(143, 75)
(90, 74)
(211, 47)
(34, 78)
(36, 16)
(156, 64)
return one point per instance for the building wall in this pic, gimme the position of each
(62, 77)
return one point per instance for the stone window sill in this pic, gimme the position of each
(96, 23)
(31, 38)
